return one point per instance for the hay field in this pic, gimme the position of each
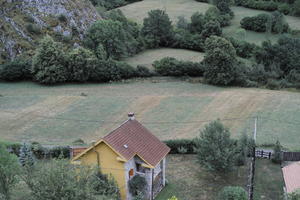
(169, 107)
(147, 57)
(175, 8)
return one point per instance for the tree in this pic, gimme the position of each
(211, 28)
(233, 193)
(48, 65)
(26, 157)
(157, 29)
(9, 168)
(242, 150)
(60, 180)
(294, 195)
(137, 185)
(80, 64)
(296, 8)
(197, 22)
(182, 23)
(277, 158)
(215, 149)
(221, 65)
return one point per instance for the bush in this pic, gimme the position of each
(284, 8)
(9, 169)
(197, 22)
(33, 28)
(143, 71)
(182, 23)
(80, 64)
(261, 5)
(171, 67)
(137, 184)
(211, 28)
(110, 70)
(216, 151)
(233, 193)
(109, 4)
(273, 84)
(157, 29)
(16, 70)
(49, 64)
(186, 40)
(243, 49)
(175, 145)
(277, 157)
(296, 8)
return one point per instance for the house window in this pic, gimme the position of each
(140, 168)
(130, 173)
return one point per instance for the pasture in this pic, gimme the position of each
(147, 57)
(175, 8)
(170, 108)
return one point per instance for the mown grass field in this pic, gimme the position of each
(170, 108)
(184, 175)
(175, 8)
(147, 57)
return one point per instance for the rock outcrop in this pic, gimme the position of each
(24, 22)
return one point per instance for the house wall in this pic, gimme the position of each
(109, 165)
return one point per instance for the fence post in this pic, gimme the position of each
(262, 153)
(269, 155)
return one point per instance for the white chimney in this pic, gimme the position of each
(131, 116)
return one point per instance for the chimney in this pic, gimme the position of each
(131, 116)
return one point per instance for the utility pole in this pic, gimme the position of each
(252, 165)
(255, 129)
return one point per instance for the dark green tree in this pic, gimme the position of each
(197, 22)
(296, 8)
(79, 64)
(49, 64)
(215, 149)
(26, 157)
(157, 29)
(277, 157)
(233, 193)
(9, 169)
(211, 28)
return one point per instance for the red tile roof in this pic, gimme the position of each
(132, 138)
(291, 174)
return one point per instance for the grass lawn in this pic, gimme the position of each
(147, 57)
(169, 107)
(268, 181)
(188, 181)
(175, 8)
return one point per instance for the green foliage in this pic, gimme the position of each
(233, 193)
(9, 168)
(294, 195)
(197, 23)
(143, 71)
(80, 64)
(215, 149)
(262, 22)
(16, 70)
(296, 8)
(33, 28)
(110, 70)
(211, 28)
(186, 40)
(173, 198)
(100, 52)
(108, 4)
(182, 23)
(157, 29)
(45, 181)
(62, 18)
(277, 158)
(260, 5)
(221, 65)
(284, 8)
(48, 65)
(26, 157)
(243, 49)
(105, 185)
(137, 184)
(182, 150)
(171, 67)
(175, 145)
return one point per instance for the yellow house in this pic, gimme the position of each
(128, 150)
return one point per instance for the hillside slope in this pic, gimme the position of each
(24, 22)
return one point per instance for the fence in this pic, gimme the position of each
(263, 154)
(291, 156)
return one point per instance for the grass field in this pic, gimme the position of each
(188, 181)
(169, 107)
(184, 175)
(175, 8)
(147, 57)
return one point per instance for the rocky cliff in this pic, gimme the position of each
(24, 22)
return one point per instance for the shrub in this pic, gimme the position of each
(26, 157)
(243, 49)
(284, 8)
(171, 67)
(215, 149)
(221, 65)
(211, 28)
(143, 71)
(157, 29)
(182, 150)
(16, 70)
(277, 157)
(296, 8)
(137, 184)
(80, 64)
(261, 5)
(9, 168)
(233, 193)
(108, 4)
(110, 70)
(175, 145)
(33, 28)
(49, 65)
(186, 40)
(182, 23)
(197, 23)
(273, 84)
(294, 195)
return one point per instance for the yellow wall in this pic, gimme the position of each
(108, 164)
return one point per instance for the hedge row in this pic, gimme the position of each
(182, 146)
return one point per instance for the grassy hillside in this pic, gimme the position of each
(169, 107)
(175, 8)
(147, 57)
